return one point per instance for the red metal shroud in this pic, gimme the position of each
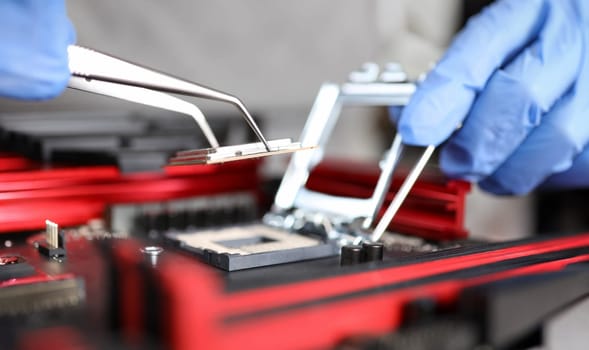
(434, 208)
(74, 195)
(320, 313)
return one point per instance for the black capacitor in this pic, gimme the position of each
(148, 221)
(162, 222)
(419, 310)
(197, 218)
(214, 217)
(372, 252)
(231, 215)
(350, 255)
(178, 220)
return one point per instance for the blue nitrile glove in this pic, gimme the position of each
(517, 80)
(34, 35)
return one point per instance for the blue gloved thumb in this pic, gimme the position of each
(444, 99)
(34, 36)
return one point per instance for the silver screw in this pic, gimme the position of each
(152, 253)
(368, 73)
(393, 73)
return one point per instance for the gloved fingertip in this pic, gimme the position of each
(435, 110)
(72, 34)
(458, 162)
(48, 90)
(573, 176)
(493, 187)
(395, 113)
(418, 124)
(418, 136)
(506, 187)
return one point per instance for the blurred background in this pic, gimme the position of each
(275, 55)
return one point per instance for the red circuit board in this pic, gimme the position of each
(201, 313)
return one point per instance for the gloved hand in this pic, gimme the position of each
(34, 35)
(517, 80)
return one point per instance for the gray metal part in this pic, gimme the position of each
(235, 262)
(568, 329)
(292, 193)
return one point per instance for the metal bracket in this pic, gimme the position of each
(305, 224)
(341, 218)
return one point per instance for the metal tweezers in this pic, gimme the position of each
(100, 73)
